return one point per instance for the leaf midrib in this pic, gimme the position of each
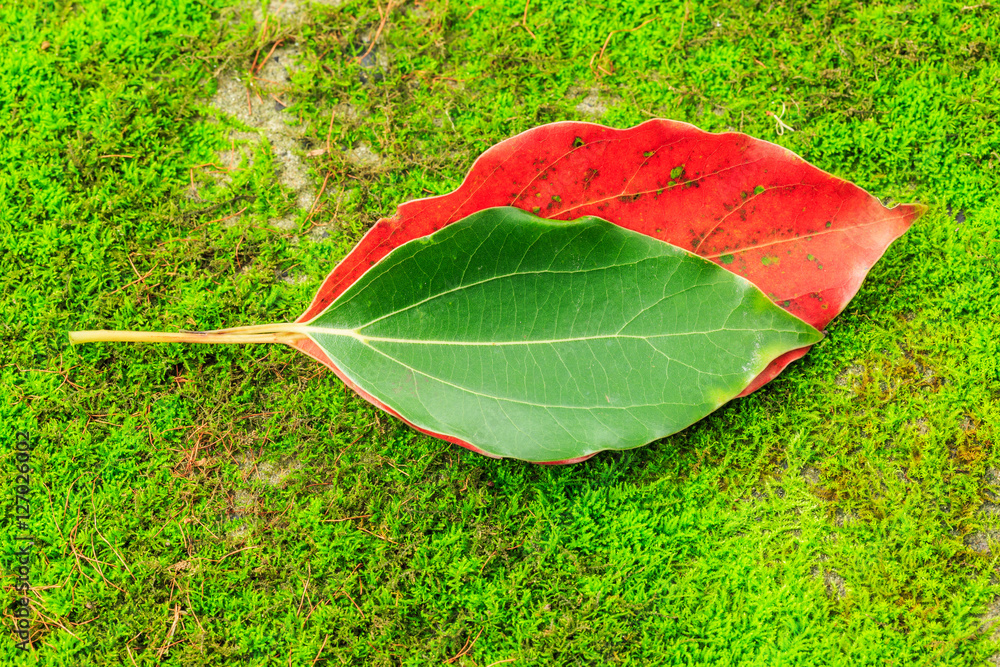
(357, 335)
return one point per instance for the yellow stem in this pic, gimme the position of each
(264, 333)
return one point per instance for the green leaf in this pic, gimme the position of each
(546, 340)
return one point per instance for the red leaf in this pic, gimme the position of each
(805, 237)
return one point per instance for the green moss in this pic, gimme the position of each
(841, 515)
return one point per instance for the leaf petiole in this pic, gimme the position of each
(261, 333)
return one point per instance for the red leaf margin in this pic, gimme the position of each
(803, 236)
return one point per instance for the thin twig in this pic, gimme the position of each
(268, 56)
(224, 218)
(104, 539)
(524, 19)
(346, 518)
(231, 553)
(191, 609)
(305, 588)
(365, 530)
(329, 131)
(312, 209)
(378, 31)
(137, 280)
(263, 36)
(61, 373)
(465, 648)
(600, 54)
(55, 621)
(173, 629)
(320, 651)
(680, 35)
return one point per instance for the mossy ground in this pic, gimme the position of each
(212, 505)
